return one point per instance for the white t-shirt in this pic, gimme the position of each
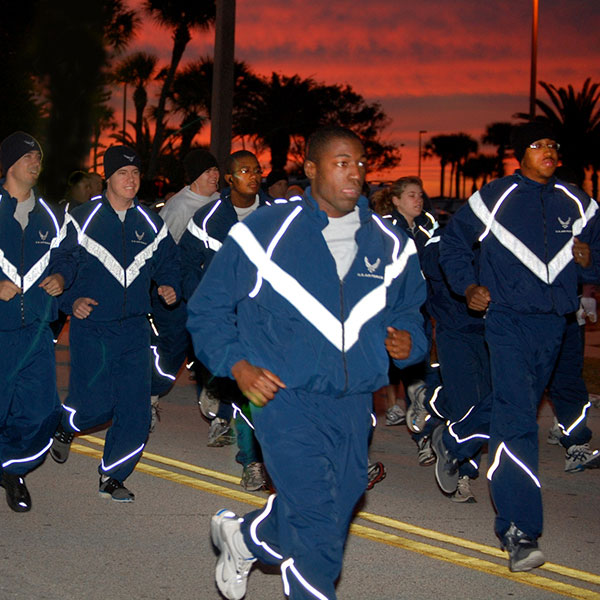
(340, 238)
(242, 213)
(180, 208)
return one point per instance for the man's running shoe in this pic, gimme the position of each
(375, 474)
(446, 467)
(254, 477)
(220, 433)
(523, 552)
(209, 404)
(554, 434)
(417, 415)
(111, 488)
(235, 560)
(425, 453)
(61, 444)
(395, 415)
(581, 457)
(463, 491)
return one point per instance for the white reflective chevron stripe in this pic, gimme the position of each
(580, 223)
(289, 564)
(273, 245)
(502, 448)
(9, 269)
(141, 258)
(109, 262)
(143, 212)
(106, 468)
(580, 418)
(202, 235)
(307, 305)
(513, 244)
(253, 527)
(36, 271)
(480, 209)
(28, 458)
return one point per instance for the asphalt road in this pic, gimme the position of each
(408, 541)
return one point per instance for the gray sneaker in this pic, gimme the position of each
(580, 457)
(417, 415)
(523, 551)
(111, 488)
(220, 433)
(463, 491)
(554, 434)
(254, 477)
(446, 467)
(155, 408)
(235, 560)
(395, 415)
(209, 404)
(61, 444)
(426, 455)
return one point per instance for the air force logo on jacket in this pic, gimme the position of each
(277, 270)
(118, 259)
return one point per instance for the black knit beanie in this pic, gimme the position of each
(523, 135)
(116, 157)
(196, 162)
(15, 146)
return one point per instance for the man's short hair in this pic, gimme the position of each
(323, 136)
(233, 158)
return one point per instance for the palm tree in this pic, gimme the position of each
(137, 69)
(461, 147)
(481, 166)
(498, 134)
(575, 117)
(282, 108)
(181, 16)
(70, 69)
(440, 146)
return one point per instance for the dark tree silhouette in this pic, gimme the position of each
(181, 16)
(575, 117)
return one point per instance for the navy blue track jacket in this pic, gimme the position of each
(272, 296)
(425, 227)
(27, 257)
(118, 260)
(526, 232)
(204, 235)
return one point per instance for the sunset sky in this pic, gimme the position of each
(440, 66)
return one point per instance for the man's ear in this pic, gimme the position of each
(228, 179)
(310, 168)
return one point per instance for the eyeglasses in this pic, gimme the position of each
(248, 170)
(549, 146)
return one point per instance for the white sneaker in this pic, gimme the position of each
(554, 434)
(580, 457)
(235, 560)
(395, 415)
(209, 404)
(463, 491)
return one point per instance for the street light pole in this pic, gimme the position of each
(421, 132)
(534, 44)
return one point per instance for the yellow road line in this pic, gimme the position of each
(375, 534)
(471, 562)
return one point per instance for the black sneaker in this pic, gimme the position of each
(111, 488)
(17, 495)
(61, 444)
(446, 467)
(523, 551)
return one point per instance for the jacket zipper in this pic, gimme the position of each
(343, 318)
(22, 273)
(546, 245)
(124, 267)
